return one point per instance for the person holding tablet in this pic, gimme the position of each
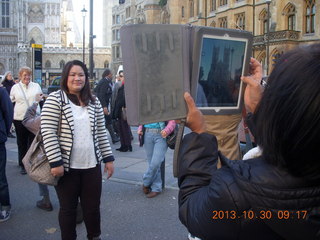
(275, 195)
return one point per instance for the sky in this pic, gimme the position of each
(97, 19)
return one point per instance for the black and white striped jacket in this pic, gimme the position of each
(59, 154)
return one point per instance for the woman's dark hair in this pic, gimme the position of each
(85, 93)
(288, 116)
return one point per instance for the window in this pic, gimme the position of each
(47, 64)
(117, 35)
(240, 21)
(106, 64)
(223, 23)
(191, 5)
(182, 12)
(62, 63)
(292, 22)
(310, 16)
(117, 19)
(213, 5)
(290, 13)
(263, 17)
(223, 2)
(128, 14)
(5, 15)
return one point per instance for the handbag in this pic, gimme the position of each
(172, 137)
(36, 162)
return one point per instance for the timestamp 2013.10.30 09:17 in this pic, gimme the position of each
(262, 214)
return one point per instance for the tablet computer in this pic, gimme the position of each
(220, 58)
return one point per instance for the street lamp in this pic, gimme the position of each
(268, 29)
(84, 11)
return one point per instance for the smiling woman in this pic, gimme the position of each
(77, 152)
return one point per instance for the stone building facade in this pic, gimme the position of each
(50, 23)
(291, 22)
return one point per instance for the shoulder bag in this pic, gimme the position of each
(36, 162)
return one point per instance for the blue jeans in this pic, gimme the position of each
(43, 189)
(156, 148)
(4, 189)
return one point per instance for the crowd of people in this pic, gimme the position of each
(221, 196)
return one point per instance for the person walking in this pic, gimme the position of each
(77, 152)
(104, 93)
(156, 147)
(6, 117)
(8, 83)
(23, 94)
(119, 114)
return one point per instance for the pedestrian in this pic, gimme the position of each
(119, 114)
(6, 117)
(8, 83)
(272, 196)
(104, 93)
(23, 94)
(76, 153)
(155, 145)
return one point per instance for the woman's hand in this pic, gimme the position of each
(109, 168)
(140, 132)
(57, 171)
(164, 134)
(253, 91)
(195, 119)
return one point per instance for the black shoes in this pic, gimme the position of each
(125, 149)
(115, 140)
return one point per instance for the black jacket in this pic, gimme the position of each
(104, 91)
(6, 114)
(120, 103)
(237, 200)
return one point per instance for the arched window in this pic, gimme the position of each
(290, 12)
(240, 21)
(223, 23)
(106, 64)
(47, 64)
(263, 17)
(182, 11)
(62, 63)
(310, 13)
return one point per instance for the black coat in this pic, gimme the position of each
(104, 91)
(6, 114)
(235, 201)
(120, 103)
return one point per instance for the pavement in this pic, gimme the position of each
(125, 211)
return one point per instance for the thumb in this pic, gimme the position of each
(189, 101)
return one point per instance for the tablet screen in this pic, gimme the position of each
(221, 66)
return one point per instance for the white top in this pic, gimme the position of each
(82, 154)
(17, 96)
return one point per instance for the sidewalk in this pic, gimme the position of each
(125, 211)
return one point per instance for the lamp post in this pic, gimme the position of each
(268, 29)
(84, 11)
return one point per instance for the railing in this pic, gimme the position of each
(279, 36)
